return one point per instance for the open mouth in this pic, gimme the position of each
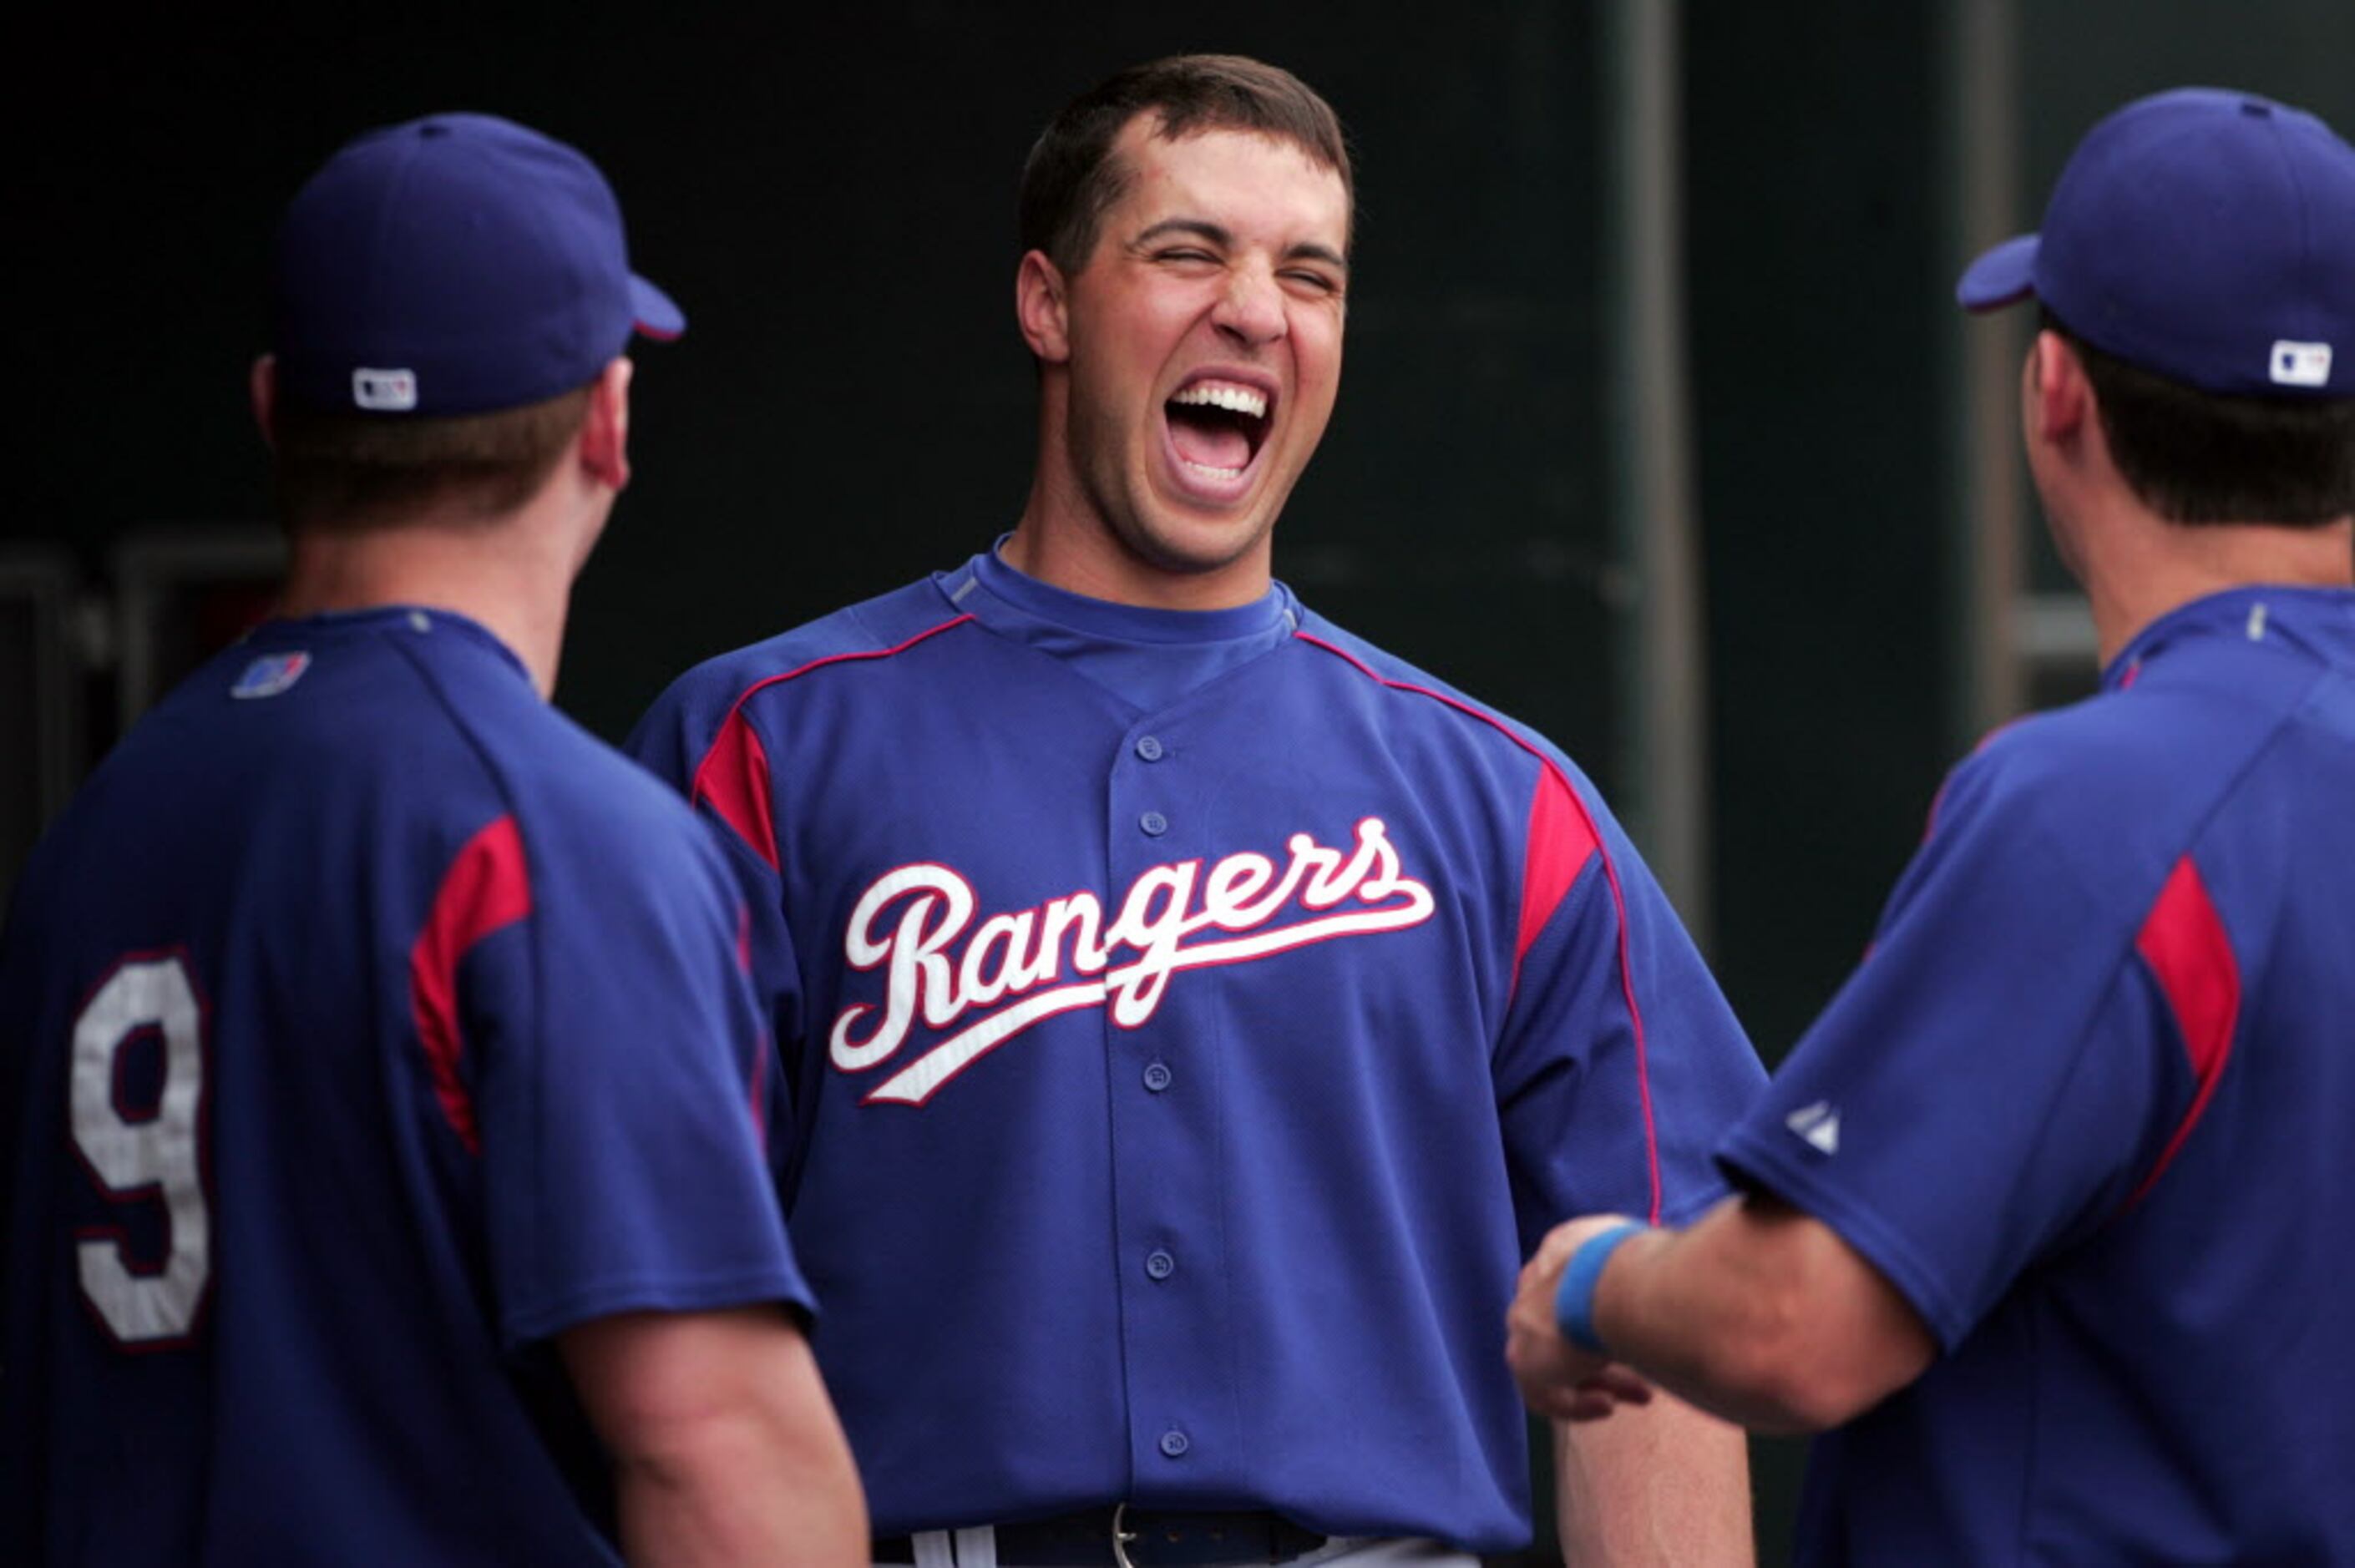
(1217, 428)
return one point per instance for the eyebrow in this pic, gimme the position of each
(1225, 239)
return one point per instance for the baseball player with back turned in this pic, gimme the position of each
(377, 1157)
(1192, 1014)
(2049, 1212)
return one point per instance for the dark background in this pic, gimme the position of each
(830, 198)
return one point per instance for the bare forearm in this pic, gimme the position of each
(1761, 1315)
(726, 1449)
(1663, 1484)
(753, 1495)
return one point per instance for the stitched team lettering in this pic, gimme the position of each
(910, 920)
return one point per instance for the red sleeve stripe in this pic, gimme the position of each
(733, 777)
(486, 888)
(1562, 841)
(733, 780)
(1577, 822)
(2184, 942)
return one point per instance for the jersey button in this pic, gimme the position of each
(1174, 1443)
(1153, 823)
(1149, 748)
(1156, 1076)
(1160, 1264)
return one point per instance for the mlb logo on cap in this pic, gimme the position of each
(2302, 364)
(385, 390)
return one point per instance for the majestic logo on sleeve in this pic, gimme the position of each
(917, 924)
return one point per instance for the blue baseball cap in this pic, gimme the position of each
(2205, 235)
(456, 264)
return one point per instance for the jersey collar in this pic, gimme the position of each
(1276, 613)
(409, 619)
(2319, 619)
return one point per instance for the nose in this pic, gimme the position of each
(1249, 310)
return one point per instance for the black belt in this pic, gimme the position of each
(1152, 1539)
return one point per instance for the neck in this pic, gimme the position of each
(512, 577)
(1086, 557)
(1065, 539)
(2155, 567)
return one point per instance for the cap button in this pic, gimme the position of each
(2256, 110)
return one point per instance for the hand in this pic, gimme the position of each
(1557, 1378)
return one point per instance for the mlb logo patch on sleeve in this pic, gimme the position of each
(271, 675)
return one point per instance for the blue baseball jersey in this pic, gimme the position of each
(364, 1023)
(2088, 1103)
(1190, 1020)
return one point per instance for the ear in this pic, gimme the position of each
(606, 431)
(2060, 398)
(261, 385)
(1042, 308)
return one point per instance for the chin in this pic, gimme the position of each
(1188, 547)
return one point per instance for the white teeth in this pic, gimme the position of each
(1203, 468)
(1226, 395)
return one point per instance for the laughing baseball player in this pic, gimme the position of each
(1192, 1014)
(2047, 1214)
(378, 1171)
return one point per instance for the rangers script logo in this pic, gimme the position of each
(912, 918)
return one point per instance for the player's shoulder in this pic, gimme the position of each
(2170, 743)
(1403, 696)
(856, 635)
(594, 825)
(2117, 786)
(561, 782)
(2054, 767)
(550, 760)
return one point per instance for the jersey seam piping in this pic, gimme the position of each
(695, 791)
(2148, 1181)
(1610, 869)
(506, 791)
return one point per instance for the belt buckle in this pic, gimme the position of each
(1121, 1537)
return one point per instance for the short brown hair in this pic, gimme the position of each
(339, 471)
(1072, 178)
(2197, 457)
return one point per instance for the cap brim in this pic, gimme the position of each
(2004, 276)
(656, 316)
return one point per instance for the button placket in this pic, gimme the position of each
(1155, 1140)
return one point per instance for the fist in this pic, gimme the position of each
(1557, 1378)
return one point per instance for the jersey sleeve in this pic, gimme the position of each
(703, 742)
(1620, 1064)
(1985, 1087)
(621, 1084)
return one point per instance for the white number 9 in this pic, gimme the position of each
(151, 1157)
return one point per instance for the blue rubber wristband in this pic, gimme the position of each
(1573, 1303)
